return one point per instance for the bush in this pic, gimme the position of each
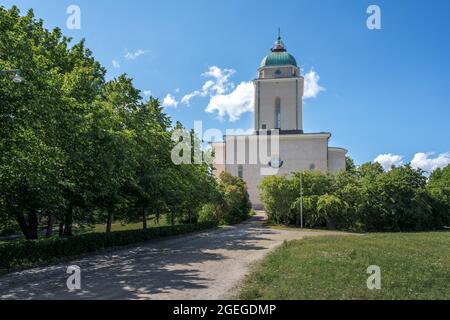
(209, 212)
(30, 252)
(278, 195)
(365, 198)
(8, 227)
(235, 205)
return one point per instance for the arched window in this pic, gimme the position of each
(277, 113)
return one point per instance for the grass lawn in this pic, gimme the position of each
(413, 266)
(130, 226)
(151, 223)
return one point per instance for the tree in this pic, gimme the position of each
(235, 199)
(151, 144)
(40, 118)
(331, 209)
(278, 194)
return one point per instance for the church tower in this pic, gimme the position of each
(278, 105)
(279, 92)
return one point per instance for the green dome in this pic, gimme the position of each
(278, 58)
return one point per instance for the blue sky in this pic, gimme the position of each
(386, 91)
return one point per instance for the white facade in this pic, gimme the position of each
(278, 106)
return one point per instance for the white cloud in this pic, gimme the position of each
(312, 87)
(134, 55)
(116, 64)
(221, 81)
(187, 98)
(233, 104)
(425, 162)
(219, 84)
(147, 93)
(170, 101)
(231, 101)
(388, 160)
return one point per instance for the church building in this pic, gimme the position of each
(278, 129)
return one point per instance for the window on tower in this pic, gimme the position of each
(241, 171)
(277, 113)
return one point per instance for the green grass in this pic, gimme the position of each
(118, 226)
(289, 227)
(151, 223)
(413, 266)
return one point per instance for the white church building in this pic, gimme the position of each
(278, 144)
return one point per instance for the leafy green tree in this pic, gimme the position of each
(332, 209)
(278, 194)
(40, 117)
(439, 185)
(151, 144)
(236, 204)
(439, 189)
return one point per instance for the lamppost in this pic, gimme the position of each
(292, 175)
(301, 200)
(16, 79)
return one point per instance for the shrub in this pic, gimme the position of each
(209, 212)
(235, 204)
(278, 195)
(365, 198)
(30, 252)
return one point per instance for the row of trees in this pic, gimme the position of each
(76, 149)
(363, 198)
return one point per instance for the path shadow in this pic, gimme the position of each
(139, 272)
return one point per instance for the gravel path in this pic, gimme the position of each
(206, 265)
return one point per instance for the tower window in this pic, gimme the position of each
(241, 171)
(277, 113)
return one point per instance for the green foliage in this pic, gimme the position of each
(27, 253)
(209, 212)
(332, 209)
(278, 193)
(364, 198)
(77, 149)
(234, 204)
(439, 185)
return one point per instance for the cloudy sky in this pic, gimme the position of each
(384, 94)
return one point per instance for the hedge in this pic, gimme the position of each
(26, 253)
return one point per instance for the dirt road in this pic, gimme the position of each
(206, 265)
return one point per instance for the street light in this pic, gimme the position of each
(301, 199)
(16, 79)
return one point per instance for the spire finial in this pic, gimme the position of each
(279, 45)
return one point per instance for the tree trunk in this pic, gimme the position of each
(172, 219)
(331, 224)
(28, 224)
(50, 221)
(144, 217)
(109, 221)
(61, 229)
(68, 220)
